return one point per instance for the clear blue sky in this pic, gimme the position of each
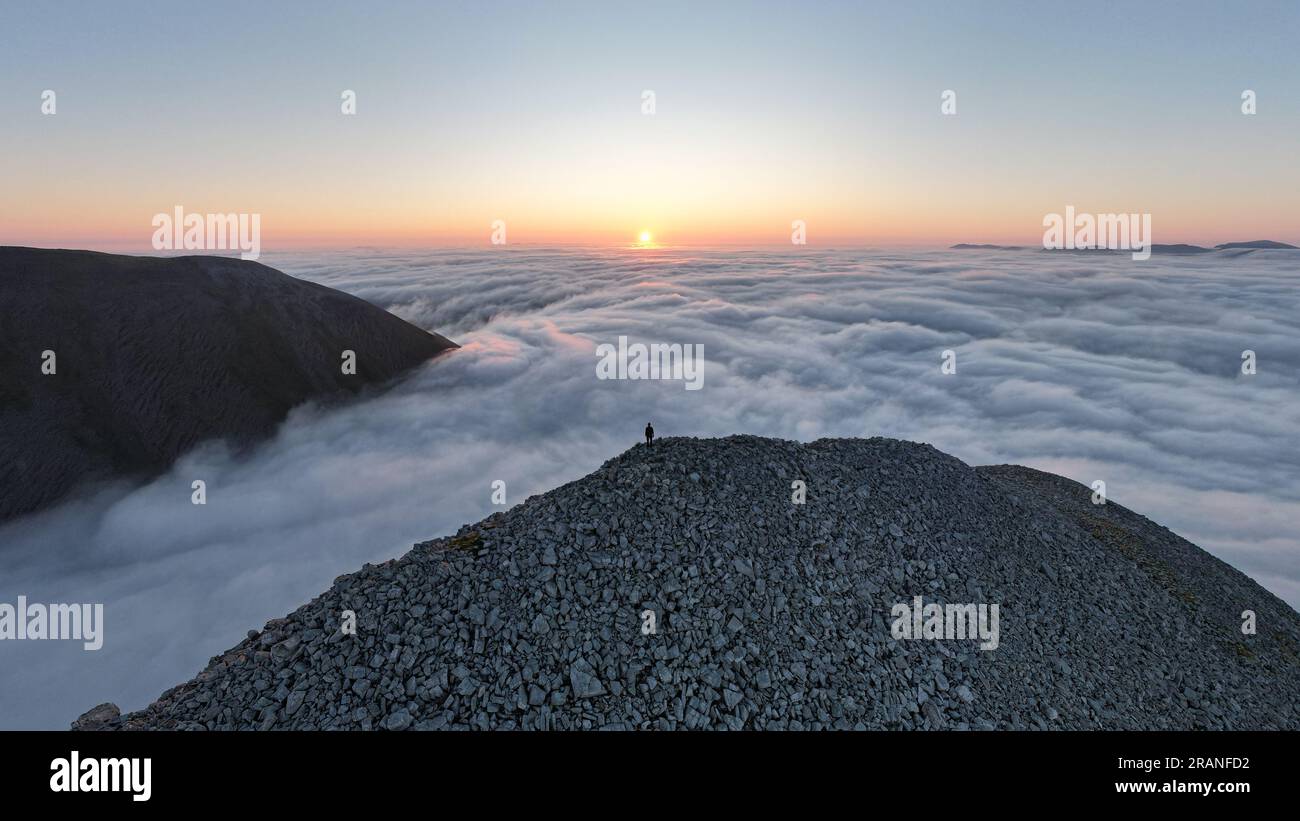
(766, 112)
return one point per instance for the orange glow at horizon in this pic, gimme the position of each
(686, 216)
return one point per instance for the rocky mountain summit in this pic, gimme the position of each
(768, 614)
(113, 366)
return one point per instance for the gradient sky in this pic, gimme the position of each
(530, 113)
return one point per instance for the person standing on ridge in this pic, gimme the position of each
(649, 435)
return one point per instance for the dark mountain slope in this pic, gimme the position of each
(157, 354)
(1213, 593)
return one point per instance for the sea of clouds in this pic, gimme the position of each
(1092, 366)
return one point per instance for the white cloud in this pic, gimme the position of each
(1095, 368)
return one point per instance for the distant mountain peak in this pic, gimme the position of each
(1172, 248)
(1255, 243)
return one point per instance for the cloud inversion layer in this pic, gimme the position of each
(1094, 367)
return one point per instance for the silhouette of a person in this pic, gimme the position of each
(649, 435)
